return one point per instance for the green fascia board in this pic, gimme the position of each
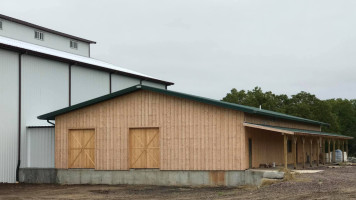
(247, 109)
(304, 131)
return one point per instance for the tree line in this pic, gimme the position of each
(339, 113)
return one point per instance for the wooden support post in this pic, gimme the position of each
(323, 150)
(311, 153)
(285, 151)
(317, 151)
(342, 151)
(329, 155)
(347, 149)
(303, 142)
(295, 151)
(334, 154)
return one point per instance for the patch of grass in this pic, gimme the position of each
(267, 182)
(302, 180)
(220, 193)
(288, 175)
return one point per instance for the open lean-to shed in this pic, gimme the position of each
(148, 128)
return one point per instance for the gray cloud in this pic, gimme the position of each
(208, 47)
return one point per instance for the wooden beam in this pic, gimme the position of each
(268, 128)
(303, 142)
(311, 153)
(317, 151)
(323, 150)
(329, 155)
(285, 151)
(334, 145)
(295, 151)
(342, 150)
(347, 149)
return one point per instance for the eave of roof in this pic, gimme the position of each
(44, 29)
(300, 131)
(48, 53)
(247, 109)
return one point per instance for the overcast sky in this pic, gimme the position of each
(208, 47)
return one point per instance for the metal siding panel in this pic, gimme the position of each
(156, 85)
(88, 84)
(119, 82)
(26, 34)
(40, 147)
(44, 89)
(8, 115)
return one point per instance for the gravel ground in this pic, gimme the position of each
(332, 183)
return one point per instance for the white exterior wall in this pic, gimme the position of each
(8, 115)
(40, 147)
(119, 82)
(45, 88)
(156, 85)
(88, 84)
(24, 33)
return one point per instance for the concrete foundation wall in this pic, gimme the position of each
(146, 177)
(38, 175)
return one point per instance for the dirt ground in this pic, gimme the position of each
(333, 183)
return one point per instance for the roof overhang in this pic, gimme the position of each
(52, 54)
(293, 131)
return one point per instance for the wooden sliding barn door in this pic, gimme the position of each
(144, 148)
(81, 149)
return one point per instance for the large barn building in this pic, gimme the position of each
(43, 70)
(179, 136)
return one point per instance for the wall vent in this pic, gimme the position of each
(39, 35)
(73, 44)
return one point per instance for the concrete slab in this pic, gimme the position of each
(197, 178)
(307, 171)
(183, 178)
(273, 175)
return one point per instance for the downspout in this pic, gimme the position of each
(70, 84)
(110, 83)
(50, 122)
(19, 125)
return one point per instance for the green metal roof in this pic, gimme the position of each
(247, 109)
(305, 131)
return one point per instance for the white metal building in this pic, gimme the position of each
(42, 70)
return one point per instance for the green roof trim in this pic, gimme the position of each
(247, 109)
(304, 131)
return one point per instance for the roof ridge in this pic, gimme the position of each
(181, 95)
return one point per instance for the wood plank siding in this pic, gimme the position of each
(193, 135)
